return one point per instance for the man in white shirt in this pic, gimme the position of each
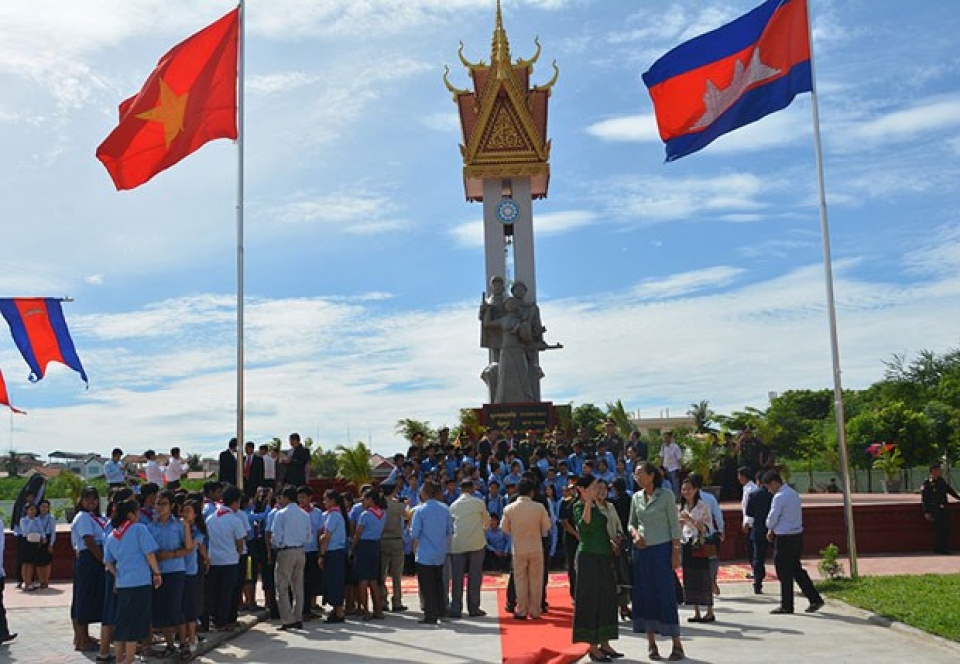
(672, 456)
(174, 470)
(153, 470)
(269, 466)
(749, 486)
(470, 520)
(785, 529)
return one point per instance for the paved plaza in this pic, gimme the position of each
(744, 630)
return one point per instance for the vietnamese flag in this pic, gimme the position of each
(189, 99)
(5, 398)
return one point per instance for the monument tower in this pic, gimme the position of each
(506, 157)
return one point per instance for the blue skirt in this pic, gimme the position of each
(87, 605)
(191, 598)
(133, 614)
(334, 576)
(366, 560)
(109, 600)
(654, 592)
(168, 600)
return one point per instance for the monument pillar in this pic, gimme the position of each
(506, 156)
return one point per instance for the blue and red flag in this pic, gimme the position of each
(5, 398)
(732, 76)
(40, 332)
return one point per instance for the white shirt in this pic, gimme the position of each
(154, 472)
(786, 512)
(269, 467)
(748, 488)
(672, 455)
(174, 470)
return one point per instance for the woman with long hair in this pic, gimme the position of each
(333, 553)
(655, 531)
(595, 611)
(129, 553)
(86, 537)
(366, 551)
(696, 522)
(195, 561)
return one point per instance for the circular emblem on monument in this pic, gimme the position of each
(508, 211)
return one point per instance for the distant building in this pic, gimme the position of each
(86, 465)
(658, 425)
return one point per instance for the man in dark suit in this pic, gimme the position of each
(296, 462)
(253, 470)
(228, 463)
(758, 507)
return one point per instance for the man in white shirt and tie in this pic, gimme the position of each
(785, 529)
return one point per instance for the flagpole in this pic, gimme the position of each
(240, 132)
(832, 311)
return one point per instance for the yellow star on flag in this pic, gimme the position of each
(169, 113)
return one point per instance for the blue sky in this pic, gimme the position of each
(667, 284)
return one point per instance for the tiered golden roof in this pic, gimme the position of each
(504, 120)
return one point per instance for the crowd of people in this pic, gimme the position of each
(621, 526)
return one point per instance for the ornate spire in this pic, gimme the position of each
(500, 48)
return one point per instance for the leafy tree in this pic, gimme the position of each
(469, 425)
(894, 423)
(619, 414)
(324, 463)
(702, 417)
(588, 416)
(194, 463)
(13, 464)
(353, 463)
(409, 428)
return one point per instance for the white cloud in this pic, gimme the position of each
(659, 199)
(279, 82)
(677, 285)
(629, 128)
(930, 117)
(470, 234)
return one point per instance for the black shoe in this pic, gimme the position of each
(757, 590)
(398, 608)
(781, 611)
(479, 613)
(287, 627)
(454, 616)
(814, 607)
(424, 621)
(749, 575)
(334, 618)
(8, 637)
(600, 658)
(518, 616)
(510, 608)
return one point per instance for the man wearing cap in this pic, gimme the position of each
(470, 520)
(933, 494)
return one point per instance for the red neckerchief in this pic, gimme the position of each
(308, 508)
(223, 511)
(100, 522)
(122, 530)
(376, 511)
(333, 509)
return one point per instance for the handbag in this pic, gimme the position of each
(704, 550)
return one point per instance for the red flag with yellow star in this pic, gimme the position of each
(189, 99)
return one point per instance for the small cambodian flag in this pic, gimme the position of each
(40, 332)
(732, 76)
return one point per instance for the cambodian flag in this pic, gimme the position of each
(5, 398)
(40, 332)
(732, 76)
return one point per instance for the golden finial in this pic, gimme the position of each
(532, 61)
(500, 49)
(466, 63)
(453, 90)
(549, 84)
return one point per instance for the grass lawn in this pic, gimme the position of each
(927, 602)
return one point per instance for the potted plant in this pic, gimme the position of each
(889, 460)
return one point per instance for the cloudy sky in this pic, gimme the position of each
(667, 284)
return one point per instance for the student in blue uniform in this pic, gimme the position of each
(32, 532)
(48, 524)
(129, 553)
(109, 618)
(366, 551)
(226, 534)
(86, 537)
(333, 553)
(174, 544)
(312, 576)
(196, 560)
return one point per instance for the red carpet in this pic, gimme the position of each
(546, 640)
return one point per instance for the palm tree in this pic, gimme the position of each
(353, 463)
(618, 414)
(410, 428)
(702, 417)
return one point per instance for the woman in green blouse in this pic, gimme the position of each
(595, 611)
(655, 529)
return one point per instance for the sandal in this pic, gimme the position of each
(676, 655)
(653, 653)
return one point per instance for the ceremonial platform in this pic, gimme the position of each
(884, 523)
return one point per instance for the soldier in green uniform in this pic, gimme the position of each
(934, 493)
